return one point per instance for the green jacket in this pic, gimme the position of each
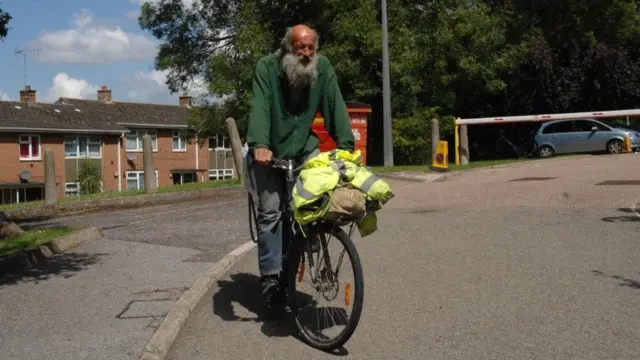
(286, 128)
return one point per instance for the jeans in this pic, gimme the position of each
(269, 184)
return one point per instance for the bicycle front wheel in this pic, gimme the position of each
(320, 274)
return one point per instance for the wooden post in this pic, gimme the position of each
(147, 160)
(236, 147)
(464, 145)
(435, 137)
(50, 187)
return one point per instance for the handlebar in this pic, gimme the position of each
(286, 165)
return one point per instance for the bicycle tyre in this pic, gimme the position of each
(354, 319)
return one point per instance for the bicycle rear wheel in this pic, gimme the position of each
(322, 269)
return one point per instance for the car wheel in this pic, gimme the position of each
(614, 146)
(546, 151)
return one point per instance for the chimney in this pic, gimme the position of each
(104, 94)
(27, 95)
(185, 100)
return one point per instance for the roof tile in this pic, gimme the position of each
(88, 115)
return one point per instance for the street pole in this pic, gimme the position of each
(386, 91)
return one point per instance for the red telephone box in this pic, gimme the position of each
(358, 112)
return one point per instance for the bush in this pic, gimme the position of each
(89, 177)
(412, 138)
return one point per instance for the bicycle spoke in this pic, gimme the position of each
(323, 314)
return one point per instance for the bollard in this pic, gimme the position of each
(236, 147)
(50, 187)
(464, 145)
(435, 138)
(147, 160)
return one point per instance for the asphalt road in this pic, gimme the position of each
(490, 264)
(106, 298)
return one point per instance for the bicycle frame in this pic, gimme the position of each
(288, 223)
(295, 252)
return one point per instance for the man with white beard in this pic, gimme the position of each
(288, 89)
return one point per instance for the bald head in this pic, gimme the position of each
(299, 55)
(300, 40)
(303, 33)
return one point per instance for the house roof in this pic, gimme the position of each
(132, 114)
(75, 115)
(18, 116)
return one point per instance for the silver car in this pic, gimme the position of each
(578, 136)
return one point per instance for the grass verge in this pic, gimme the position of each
(113, 194)
(453, 167)
(425, 168)
(31, 239)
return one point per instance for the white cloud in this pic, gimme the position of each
(66, 86)
(150, 87)
(140, 2)
(133, 14)
(89, 42)
(142, 86)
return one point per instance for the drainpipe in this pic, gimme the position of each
(120, 162)
(197, 160)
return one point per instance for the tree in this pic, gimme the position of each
(438, 50)
(5, 18)
(465, 58)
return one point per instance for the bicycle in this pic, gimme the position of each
(298, 256)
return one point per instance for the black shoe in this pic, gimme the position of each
(270, 290)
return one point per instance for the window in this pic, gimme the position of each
(29, 147)
(21, 194)
(184, 177)
(583, 125)
(220, 174)
(560, 127)
(72, 189)
(135, 180)
(134, 140)
(588, 125)
(601, 127)
(219, 142)
(179, 141)
(81, 147)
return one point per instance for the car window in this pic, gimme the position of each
(563, 127)
(600, 126)
(584, 125)
(549, 129)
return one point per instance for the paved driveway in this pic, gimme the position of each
(532, 261)
(105, 299)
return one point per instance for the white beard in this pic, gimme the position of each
(299, 74)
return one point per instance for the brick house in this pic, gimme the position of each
(104, 131)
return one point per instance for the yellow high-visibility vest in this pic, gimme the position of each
(321, 174)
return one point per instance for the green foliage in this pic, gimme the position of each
(462, 58)
(412, 138)
(89, 177)
(5, 18)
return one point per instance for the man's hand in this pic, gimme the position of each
(262, 156)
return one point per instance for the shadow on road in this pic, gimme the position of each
(633, 216)
(65, 265)
(244, 289)
(623, 281)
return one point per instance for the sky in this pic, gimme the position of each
(82, 45)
